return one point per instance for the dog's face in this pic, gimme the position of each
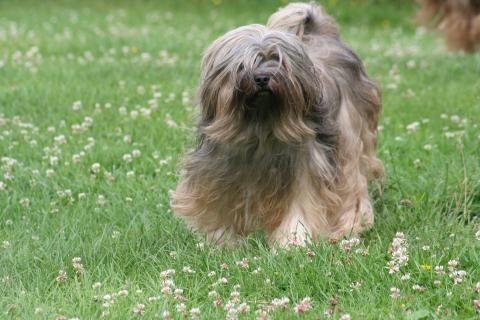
(257, 83)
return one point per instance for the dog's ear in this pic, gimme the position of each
(208, 88)
(206, 103)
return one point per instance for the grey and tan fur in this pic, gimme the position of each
(287, 135)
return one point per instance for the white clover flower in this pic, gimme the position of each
(123, 111)
(243, 263)
(87, 122)
(62, 276)
(417, 163)
(477, 287)
(280, 303)
(127, 157)
(223, 280)
(188, 269)
(59, 140)
(122, 293)
(452, 265)
(476, 304)
(419, 288)
(24, 202)
(136, 153)
(166, 290)
(181, 308)
(458, 276)
(76, 158)
(398, 252)
(145, 112)
(77, 105)
(145, 56)
(243, 308)
(455, 119)
(413, 127)
(95, 168)
(394, 293)
(167, 273)
(134, 114)
(54, 160)
(439, 270)
(6, 244)
(303, 306)
(139, 309)
(405, 277)
(235, 296)
(101, 200)
(257, 271)
(166, 315)
(347, 245)
(195, 313)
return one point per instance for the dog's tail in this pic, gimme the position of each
(303, 19)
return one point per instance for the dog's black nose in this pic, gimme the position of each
(262, 80)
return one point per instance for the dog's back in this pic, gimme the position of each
(341, 71)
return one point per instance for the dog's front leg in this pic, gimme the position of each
(304, 221)
(357, 213)
(292, 231)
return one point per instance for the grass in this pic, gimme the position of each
(133, 66)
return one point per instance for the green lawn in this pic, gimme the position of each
(96, 110)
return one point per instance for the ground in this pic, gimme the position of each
(97, 107)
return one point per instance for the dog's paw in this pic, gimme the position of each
(366, 214)
(354, 221)
(287, 239)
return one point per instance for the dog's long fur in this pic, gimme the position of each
(459, 20)
(296, 160)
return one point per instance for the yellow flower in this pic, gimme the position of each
(426, 267)
(134, 49)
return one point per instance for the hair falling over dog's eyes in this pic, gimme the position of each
(257, 69)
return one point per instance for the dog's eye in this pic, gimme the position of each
(275, 57)
(241, 67)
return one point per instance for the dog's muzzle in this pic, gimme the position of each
(263, 98)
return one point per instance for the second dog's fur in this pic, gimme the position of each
(459, 20)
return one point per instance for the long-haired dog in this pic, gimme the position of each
(287, 135)
(459, 20)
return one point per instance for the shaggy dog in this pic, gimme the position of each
(459, 20)
(287, 135)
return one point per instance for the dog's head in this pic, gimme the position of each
(257, 83)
